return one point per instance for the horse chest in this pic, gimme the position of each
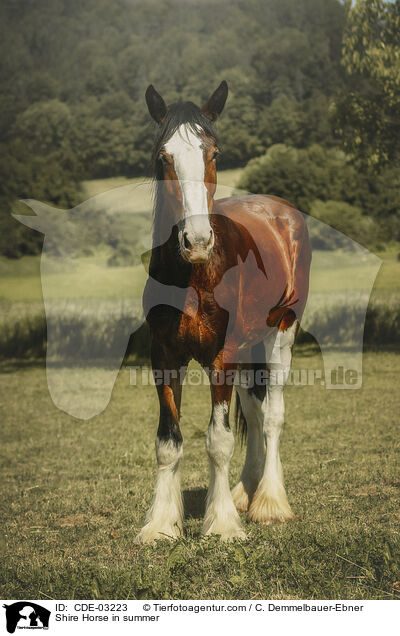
(200, 328)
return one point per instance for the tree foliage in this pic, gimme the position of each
(325, 183)
(301, 175)
(367, 116)
(74, 73)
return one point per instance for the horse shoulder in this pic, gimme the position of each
(267, 213)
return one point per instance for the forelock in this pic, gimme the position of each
(187, 114)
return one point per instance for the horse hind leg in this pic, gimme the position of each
(270, 503)
(253, 467)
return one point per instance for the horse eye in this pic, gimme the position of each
(215, 155)
(164, 159)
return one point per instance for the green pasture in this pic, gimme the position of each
(334, 271)
(75, 494)
(91, 277)
(226, 178)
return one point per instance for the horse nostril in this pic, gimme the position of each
(186, 241)
(210, 240)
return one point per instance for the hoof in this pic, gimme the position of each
(149, 534)
(240, 497)
(226, 535)
(270, 508)
(227, 529)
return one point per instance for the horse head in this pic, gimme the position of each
(184, 160)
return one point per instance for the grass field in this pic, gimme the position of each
(75, 493)
(226, 178)
(91, 278)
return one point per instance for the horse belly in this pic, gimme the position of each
(271, 285)
(248, 295)
(260, 297)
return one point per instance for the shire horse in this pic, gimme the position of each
(203, 246)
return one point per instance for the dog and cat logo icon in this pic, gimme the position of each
(26, 615)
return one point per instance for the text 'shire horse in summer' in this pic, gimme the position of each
(205, 246)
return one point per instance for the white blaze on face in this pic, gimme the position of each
(187, 153)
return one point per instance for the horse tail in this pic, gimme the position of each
(257, 355)
(240, 421)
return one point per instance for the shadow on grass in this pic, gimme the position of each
(194, 502)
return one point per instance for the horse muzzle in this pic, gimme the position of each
(195, 247)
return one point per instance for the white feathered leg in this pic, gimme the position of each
(165, 516)
(221, 515)
(270, 501)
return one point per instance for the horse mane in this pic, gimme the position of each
(180, 113)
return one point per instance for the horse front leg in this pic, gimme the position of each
(164, 518)
(221, 516)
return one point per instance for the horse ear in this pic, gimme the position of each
(44, 215)
(156, 105)
(215, 105)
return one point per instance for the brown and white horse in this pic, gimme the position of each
(244, 263)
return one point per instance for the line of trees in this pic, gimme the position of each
(356, 191)
(74, 75)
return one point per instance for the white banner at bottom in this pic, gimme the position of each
(182, 617)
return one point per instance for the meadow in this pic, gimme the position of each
(75, 492)
(98, 302)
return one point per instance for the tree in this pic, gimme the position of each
(74, 75)
(301, 175)
(367, 116)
